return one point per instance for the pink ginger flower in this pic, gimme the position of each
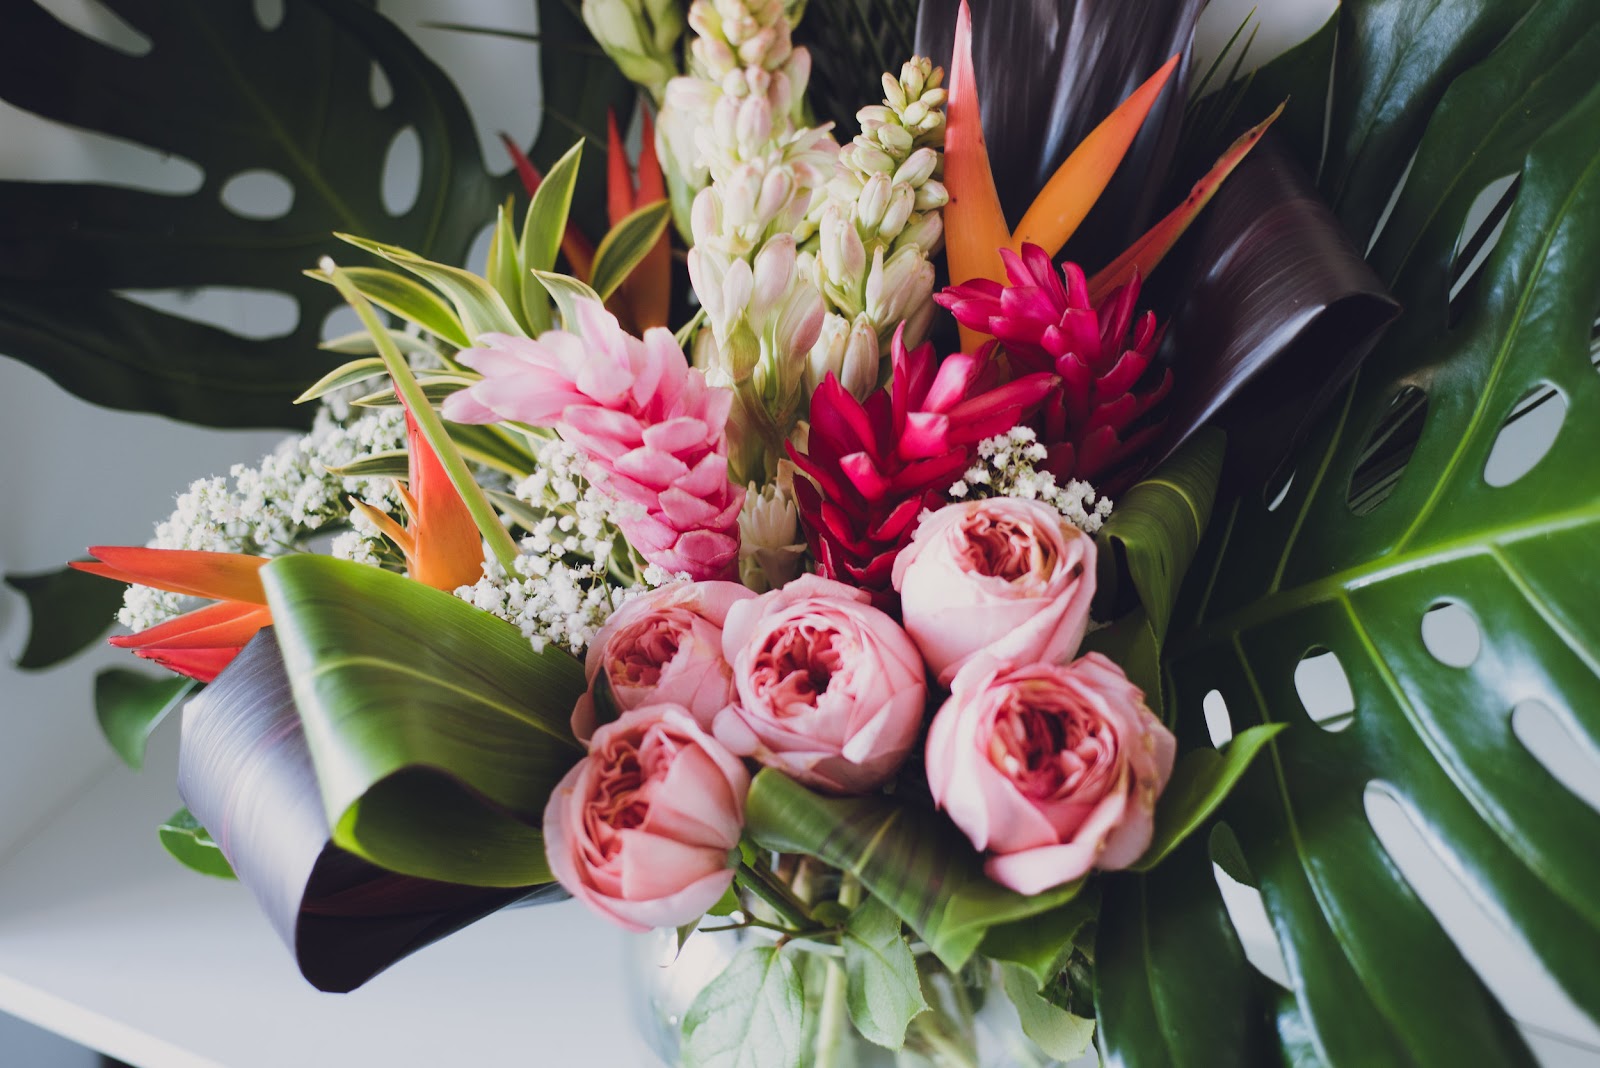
(652, 429)
(1047, 323)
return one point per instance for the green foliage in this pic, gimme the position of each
(1200, 783)
(131, 705)
(437, 733)
(193, 846)
(910, 858)
(1481, 90)
(883, 992)
(1057, 1032)
(622, 249)
(67, 610)
(222, 91)
(750, 1016)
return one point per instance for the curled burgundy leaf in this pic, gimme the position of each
(1279, 309)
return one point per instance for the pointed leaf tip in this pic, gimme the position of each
(1066, 198)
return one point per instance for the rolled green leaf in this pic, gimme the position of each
(436, 731)
(244, 768)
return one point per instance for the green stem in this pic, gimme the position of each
(833, 1019)
(768, 888)
(431, 426)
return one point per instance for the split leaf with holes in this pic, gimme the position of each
(223, 94)
(1368, 567)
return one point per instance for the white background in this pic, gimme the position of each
(107, 941)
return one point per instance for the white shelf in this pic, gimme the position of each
(106, 940)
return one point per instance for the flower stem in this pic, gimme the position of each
(768, 888)
(832, 1018)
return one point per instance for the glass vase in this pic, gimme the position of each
(970, 1022)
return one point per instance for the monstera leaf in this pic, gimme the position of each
(288, 104)
(1401, 512)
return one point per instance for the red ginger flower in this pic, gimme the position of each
(875, 465)
(1047, 323)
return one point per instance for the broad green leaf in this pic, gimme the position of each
(356, 371)
(1393, 61)
(436, 731)
(1054, 1030)
(1172, 988)
(1132, 645)
(564, 291)
(410, 300)
(67, 610)
(220, 91)
(193, 847)
(1376, 978)
(750, 1016)
(1041, 944)
(726, 905)
(911, 858)
(1155, 527)
(1199, 784)
(621, 250)
(883, 992)
(479, 308)
(130, 705)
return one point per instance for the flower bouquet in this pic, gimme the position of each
(822, 563)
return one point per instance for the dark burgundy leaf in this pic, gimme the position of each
(1048, 72)
(245, 773)
(1279, 309)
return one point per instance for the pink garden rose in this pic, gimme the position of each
(663, 647)
(831, 690)
(642, 829)
(1053, 770)
(1004, 576)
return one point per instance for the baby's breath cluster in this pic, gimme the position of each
(1007, 467)
(270, 508)
(548, 600)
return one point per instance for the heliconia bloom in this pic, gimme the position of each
(875, 465)
(653, 430)
(664, 646)
(645, 829)
(1052, 770)
(831, 690)
(201, 643)
(1002, 577)
(1047, 323)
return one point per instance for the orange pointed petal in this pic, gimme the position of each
(974, 224)
(648, 290)
(201, 664)
(1148, 250)
(447, 550)
(1066, 198)
(579, 250)
(216, 576)
(619, 183)
(652, 183)
(221, 625)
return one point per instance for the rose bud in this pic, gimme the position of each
(831, 690)
(1008, 577)
(1053, 770)
(643, 830)
(662, 647)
